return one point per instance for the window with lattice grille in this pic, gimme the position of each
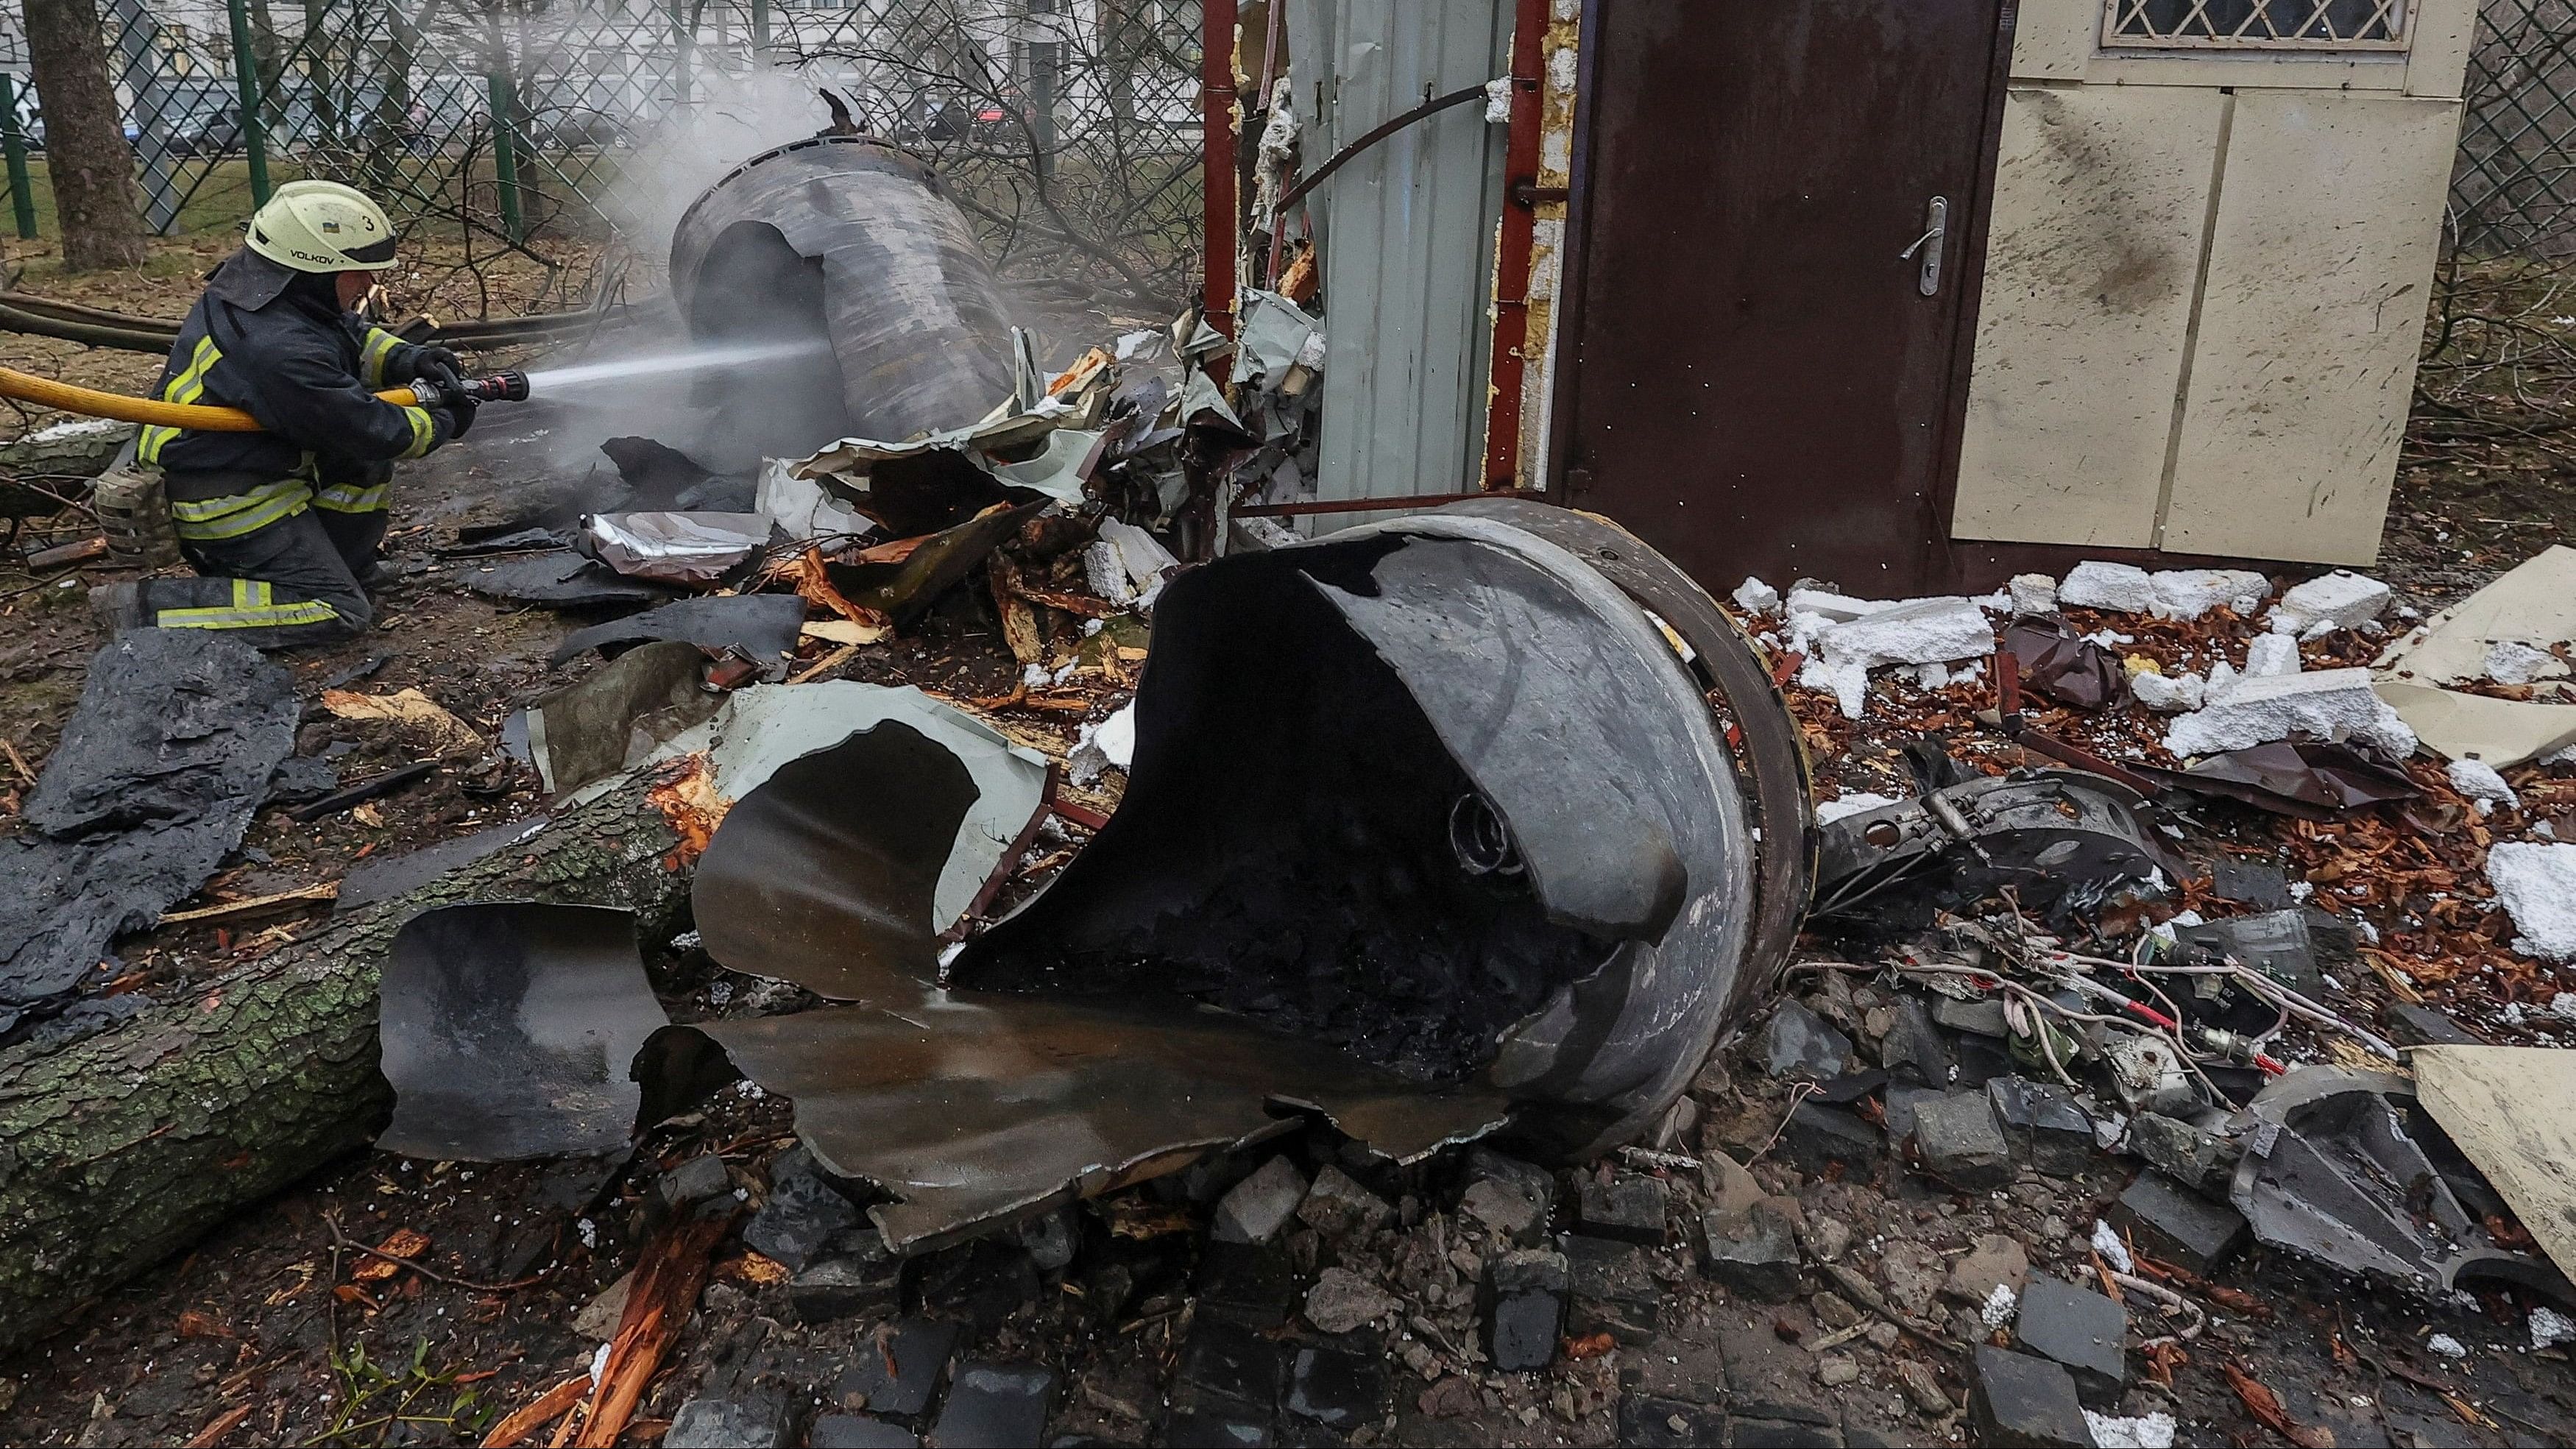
(2254, 24)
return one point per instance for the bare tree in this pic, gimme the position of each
(99, 206)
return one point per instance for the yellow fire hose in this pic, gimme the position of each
(45, 392)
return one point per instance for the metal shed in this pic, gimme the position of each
(1908, 297)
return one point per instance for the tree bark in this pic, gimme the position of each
(122, 1148)
(96, 201)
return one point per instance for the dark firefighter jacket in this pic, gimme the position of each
(274, 342)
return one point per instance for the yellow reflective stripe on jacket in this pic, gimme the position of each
(350, 498)
(187, 387)
(378, 351)
(235, 514)
(423, 431)
(254, 607)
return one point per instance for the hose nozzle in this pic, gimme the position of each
(509, 386)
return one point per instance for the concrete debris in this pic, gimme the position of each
(2339, 600)
(2192, 593)
(2330, 704)
(2120, 588)
(2032, 595)
(1338, 1206)
(2536, 885)
(2169, 693)
(1995, 1265)
(1260, 1205)
(2271, 655)
(1915, 631)
(2145, 1431)
(2478, 782)
(1342, 1301)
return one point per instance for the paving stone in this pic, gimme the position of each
(1611, 1289)
(1629, 1207)
(857, 1431)
(1184, 1430)
(1229, 1369)
(1525, 1308)
(1958, 1141)
(1746, 1432)
(1753, 1251)
(1982, 1017)
(726, 1424)
(2048, 1129)
(1338, 1205)
(1900, 1104)
(1675, 1368)
(919, 1349)
(2424, 1026)
(1996, 1260)
(699, 1178)
(1913, 1050)
(1255, 1209)
(1799, 1043)
(2016, 1401)
(1818, 1137)
(2198, 1159)
(844, 1287)
(1646, 1422)
(1247, 1282)
(2258, 887)
(1337, 1389)
(803, 1214)
(1978, 1060)
(2081, 1329)
(2176, 1225)
(1770, 1379)
(996, 1406)
(1850, 1087)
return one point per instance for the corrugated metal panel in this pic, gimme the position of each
(1409, 254)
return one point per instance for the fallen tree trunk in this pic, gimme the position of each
(119, 1149)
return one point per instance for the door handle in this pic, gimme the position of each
(1936, 232)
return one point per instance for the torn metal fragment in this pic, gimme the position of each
(509, 1029)
(761, 625)
(616, 716)
(690, 549)
(2343, 1167)
(2060, 664)
(2304, 779)
(903, 591)
(2057, 839)
(558, 580)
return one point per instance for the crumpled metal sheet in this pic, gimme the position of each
(764, 626)
(694, 549)
(509, 1029)
(2059, 664)
(161, 766)
(2340, 1167)
(904, 591)
(558, 581)
(2304, 779)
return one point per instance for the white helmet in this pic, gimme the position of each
(323, 226)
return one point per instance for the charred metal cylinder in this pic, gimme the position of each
(844, 241)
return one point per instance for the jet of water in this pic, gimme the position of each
(550, 380)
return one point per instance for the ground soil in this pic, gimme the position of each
(271, 1332)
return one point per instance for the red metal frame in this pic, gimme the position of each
(1216, 118)
(1510, 363)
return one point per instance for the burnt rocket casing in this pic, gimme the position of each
(1451, 751)
(847, 242)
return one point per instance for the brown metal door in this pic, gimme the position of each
(1756, 379)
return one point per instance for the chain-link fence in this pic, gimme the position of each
(2514, 189)
(551, 133)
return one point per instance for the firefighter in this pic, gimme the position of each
(283, 526)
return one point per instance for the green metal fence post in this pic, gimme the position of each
(505, 154)
(246, 79)
(683, 31)
(13, 140)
